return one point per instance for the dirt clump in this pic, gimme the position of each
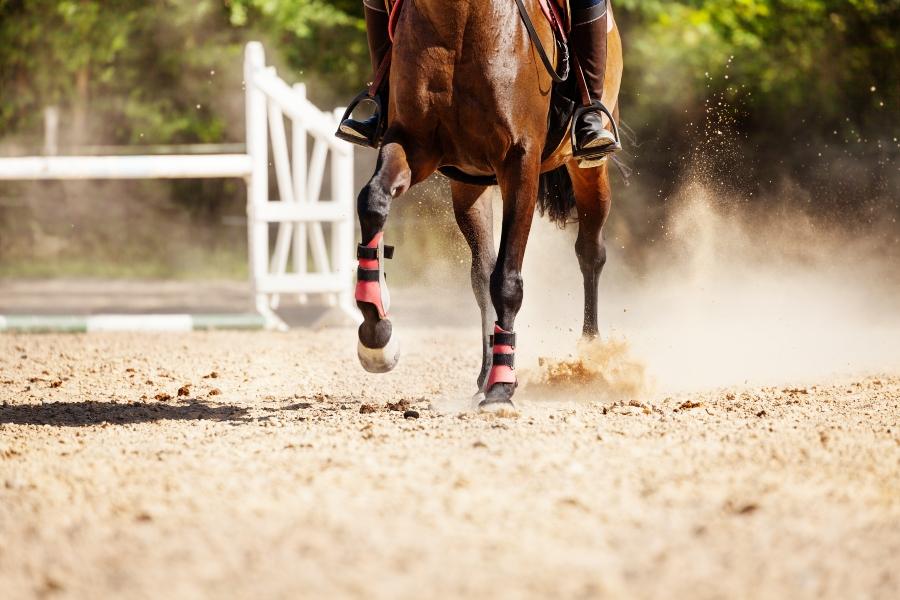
(399, 406)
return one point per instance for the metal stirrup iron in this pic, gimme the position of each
(370, 96)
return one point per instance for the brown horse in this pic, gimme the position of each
(468, 91)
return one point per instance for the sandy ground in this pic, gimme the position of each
(281, 472)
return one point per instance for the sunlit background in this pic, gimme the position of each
(771, 101)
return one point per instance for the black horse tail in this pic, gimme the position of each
(556, 196)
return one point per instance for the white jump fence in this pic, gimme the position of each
(303, 216)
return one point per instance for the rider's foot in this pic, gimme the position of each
(592, 141)
(592, 138)
(360, 132)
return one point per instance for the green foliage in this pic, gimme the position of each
(322, 41)
(301, 18)
(127, 72)
(807, 87)
(155, 72)
(787, 59)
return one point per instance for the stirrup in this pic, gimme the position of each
(593, 156)
(374, 140)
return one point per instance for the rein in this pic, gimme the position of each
(558, 76)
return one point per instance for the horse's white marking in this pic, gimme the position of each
(379, 360)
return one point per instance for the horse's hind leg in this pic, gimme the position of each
(396, 171)
(474, 215)
(593, 200)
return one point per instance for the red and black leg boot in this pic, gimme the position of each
(367, 132)
(501, 383)
(378, 349)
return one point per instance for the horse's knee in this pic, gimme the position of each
(392, 178)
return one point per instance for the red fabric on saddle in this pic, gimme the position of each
(370, 291)
(501, 373)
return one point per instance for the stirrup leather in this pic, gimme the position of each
(593, 153)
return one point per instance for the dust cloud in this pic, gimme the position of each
(728, 296)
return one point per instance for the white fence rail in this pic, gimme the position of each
(126, 167)
(303, 215)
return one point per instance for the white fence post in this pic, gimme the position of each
(342, 231)
(299, 165)
(51, 131)
(300, 210)
(258, 182)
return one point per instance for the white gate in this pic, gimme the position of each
(300, 211)
(307, 223)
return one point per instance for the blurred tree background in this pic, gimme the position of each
(777, 100)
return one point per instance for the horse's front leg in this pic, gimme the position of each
(518, 177)
(475, 217)
(378, 349)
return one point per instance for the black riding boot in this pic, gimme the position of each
(367, 132)
(593, 141)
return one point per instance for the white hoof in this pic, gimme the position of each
(379, 360)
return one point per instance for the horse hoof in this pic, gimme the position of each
(498, 400)
(379, 360)
(501, 408)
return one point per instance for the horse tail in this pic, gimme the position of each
(556, 196)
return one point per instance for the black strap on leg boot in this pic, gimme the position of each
(367, 253)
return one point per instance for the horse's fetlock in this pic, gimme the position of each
(507, 290)
(591, 255)
(507, 282)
